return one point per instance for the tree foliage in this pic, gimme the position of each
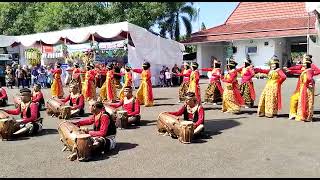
(20, 18)
(203, 27)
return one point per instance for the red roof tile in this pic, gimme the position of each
(253, 35)
(260, 20)
(252, 11)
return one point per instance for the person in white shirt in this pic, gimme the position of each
(168, 78)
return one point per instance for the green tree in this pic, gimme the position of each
(175, 13)
(62, 15)
(144, 14)
(203, 27)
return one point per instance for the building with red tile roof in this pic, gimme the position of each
(260, 29)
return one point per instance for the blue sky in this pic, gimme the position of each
(213, 13)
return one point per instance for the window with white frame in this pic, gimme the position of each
(251, 50)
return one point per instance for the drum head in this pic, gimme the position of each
(83, 136)
(186, 122)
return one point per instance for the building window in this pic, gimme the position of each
(251, 49)
(266, 43)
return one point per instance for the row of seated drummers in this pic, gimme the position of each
(103, 133)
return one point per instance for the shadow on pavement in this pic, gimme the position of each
(18, 139)
(246, 111)
(143, 123)
(162, 98)
(283, 115)
(121, 146)
(214, 127)
(48, 131)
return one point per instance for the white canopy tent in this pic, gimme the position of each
(147, 46)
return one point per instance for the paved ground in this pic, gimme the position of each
(240, 146)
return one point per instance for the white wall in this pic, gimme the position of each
(280, 49)
(314, 50)
(264, 53)
(205, 51)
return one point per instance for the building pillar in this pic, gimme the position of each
(199, 56)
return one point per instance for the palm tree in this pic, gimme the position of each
(177, 12)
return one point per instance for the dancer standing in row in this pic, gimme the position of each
(76, 72)
(213, 93)
(194, 81)
(302, 100)
(270, 99)
(231, 99)
(127, 81)
(89, 87)
(246, 87)
(108, 89)
(56, 87)
(185, 83)
(144, 93)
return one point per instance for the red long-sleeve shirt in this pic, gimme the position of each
(32, 118)
(37, 96)
(104, 122)
(128, 107)
(3, 93)
(190, 115)
(74, 102)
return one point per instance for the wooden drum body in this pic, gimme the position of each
(186, 132)
(84, 143)
(68, 132)
(168, 123)
(65, 112)
(8, 126)
(53, 107)
(122, 119)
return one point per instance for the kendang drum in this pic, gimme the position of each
(186, 132)
(111, 111)
(8, 126)
(68, 132)
(122, 119)
(168, 123)
(16, 101)
(83, 148)
(53, 107)
(65, 112)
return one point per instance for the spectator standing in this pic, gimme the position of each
(42, 77)
(167, 75)
(20, 75)
(175, 79)
(34, 75)
(9, 76)
(161, 77)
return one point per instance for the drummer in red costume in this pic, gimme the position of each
(30, 115)
(192, 110)
(131, 105)
(76, 100)
(104, 129)
(3, 96)
(37, 96)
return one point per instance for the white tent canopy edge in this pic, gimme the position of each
(148, 47)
